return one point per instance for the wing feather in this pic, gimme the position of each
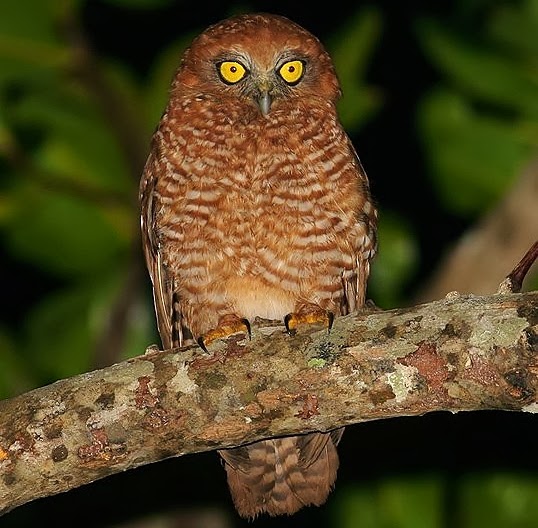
(354, 281)
(163, 287)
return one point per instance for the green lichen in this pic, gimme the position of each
(316, 363)
(402, 381)
(498, 329)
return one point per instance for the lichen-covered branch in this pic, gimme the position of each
(460, 354)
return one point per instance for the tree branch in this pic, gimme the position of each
(462, 353)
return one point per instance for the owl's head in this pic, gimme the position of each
(260, 60)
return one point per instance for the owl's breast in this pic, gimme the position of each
(276, 197)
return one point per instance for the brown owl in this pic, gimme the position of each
(254, 203)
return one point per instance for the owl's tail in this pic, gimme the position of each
(281, 476)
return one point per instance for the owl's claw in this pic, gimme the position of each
(228, 325)
(201, 344)
(330, 321)
(310, 315)
(246, 322)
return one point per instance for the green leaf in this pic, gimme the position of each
(15, 376)
(392, 503)
(160, 78)
(352, 46)
(116, 289)
(77, 146)
(351, 49)
(499, 500)
(131, 97)
(516, 26)
(29, 41)
(358, 105)
(62, 233)
(59, 341)
(63, 332)
(484, 501)
(505, 80)
(395, 262)
(355, 506)
(473, 158)
(412, 503)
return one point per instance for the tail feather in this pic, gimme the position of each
(281, 476)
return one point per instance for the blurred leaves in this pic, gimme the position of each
(351, 49)
(63, 318)
(493, 500)
(498, 501)
(160, 77)
(474, 156)
(15, 377)
(395, 262)
(77, 145)
(482, 127)
(62, 233)
(29, 45)
(68, 203)
(392, 503)
(505, 79)
(514, 27)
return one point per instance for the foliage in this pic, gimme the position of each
(494, 500)
(392, 503)
(480, 126)
(351, 49)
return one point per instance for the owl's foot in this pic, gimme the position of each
(228, 325)
(308, 314)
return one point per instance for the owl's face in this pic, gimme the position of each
(261, 61)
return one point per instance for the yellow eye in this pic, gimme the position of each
(292, 71)
(231, 71)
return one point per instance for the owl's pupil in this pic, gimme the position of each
(291, 69)
(233, 69)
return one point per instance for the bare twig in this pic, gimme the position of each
(514, 280)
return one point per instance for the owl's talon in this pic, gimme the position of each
(246, 322)
(201, 344)
(228, 325)
(308, 315)
(330, 321)
(289, 330)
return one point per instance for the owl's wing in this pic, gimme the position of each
(354, 281)
(163, 288)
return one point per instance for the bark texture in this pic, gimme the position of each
(463, 353)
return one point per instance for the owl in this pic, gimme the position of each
(255, 204)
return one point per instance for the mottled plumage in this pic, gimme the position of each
(254, 203)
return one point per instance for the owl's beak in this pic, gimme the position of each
(264, 102)
(263, 97)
